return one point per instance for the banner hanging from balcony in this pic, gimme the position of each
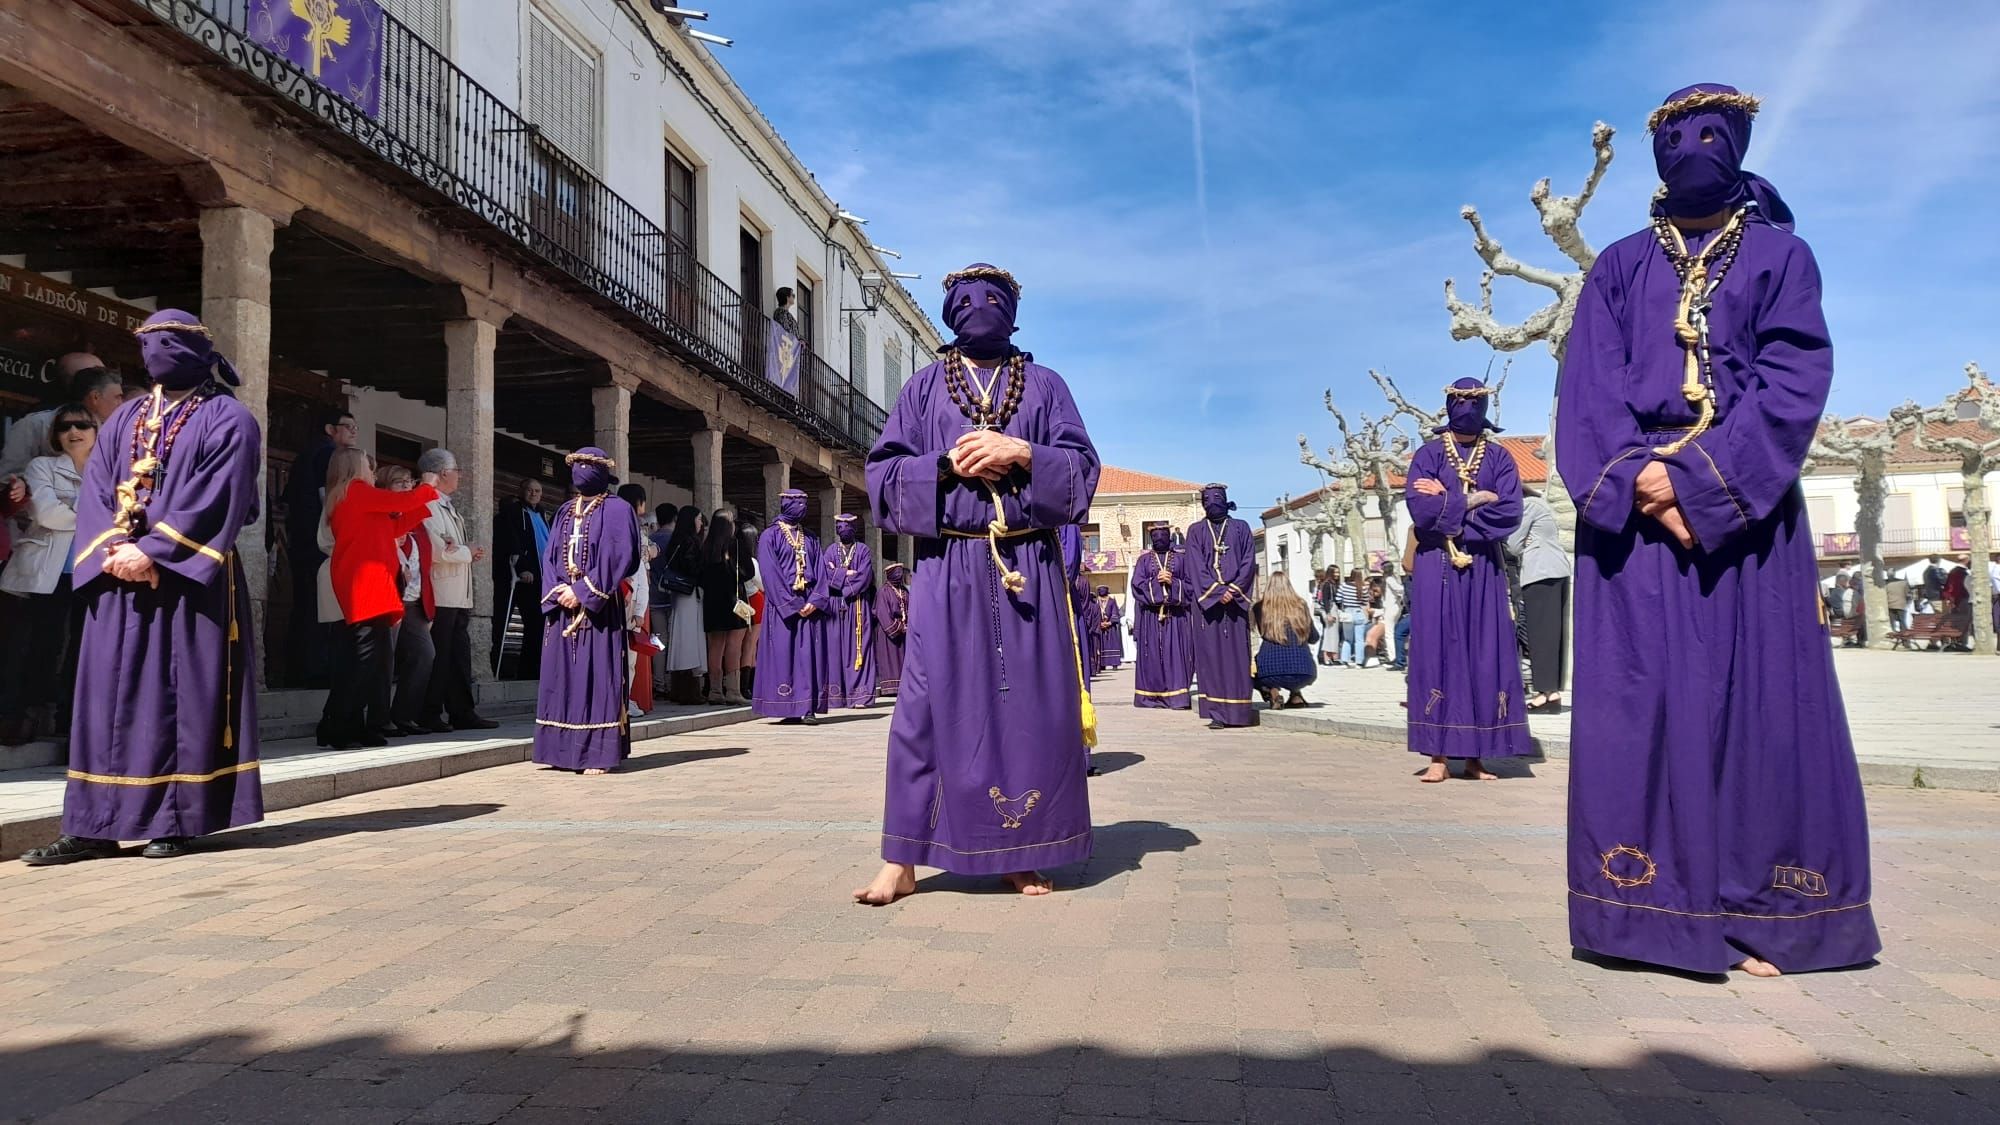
(783, 356)
(337, 43)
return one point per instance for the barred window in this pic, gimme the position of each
(561, 90)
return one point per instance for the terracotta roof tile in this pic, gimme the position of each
(1114, 481)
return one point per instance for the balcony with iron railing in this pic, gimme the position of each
(432, 122)
(1900, 542)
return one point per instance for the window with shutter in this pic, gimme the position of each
(416, 76)
(892, 369)
(857, 350)
(430, 20)
(561, 92)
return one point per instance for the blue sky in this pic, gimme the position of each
(1220, 208)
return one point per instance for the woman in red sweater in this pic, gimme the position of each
(366, 522)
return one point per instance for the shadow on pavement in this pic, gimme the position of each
(1111, 761)
(349, 824)
(242, 1077)
(1118, 849)
(639, 763)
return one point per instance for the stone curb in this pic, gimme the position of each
(332, 781)
(1874, 771)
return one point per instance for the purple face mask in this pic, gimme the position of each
(178, 352)
(1700, 137)
(847, 529)
(898, 574)
(1162, 539)
(1215, 502)
(792, 506)
(980, 311)
(590, 471)
(1466, 414)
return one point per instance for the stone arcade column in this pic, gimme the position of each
(469, 343)
(708, 466)
(236, 305)
(611, 429)
(777, 478)
(829, 511)
(906, 550)
(873, 536)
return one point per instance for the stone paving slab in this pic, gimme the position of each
(299, 772)
(1273, 928)
(1919, 719)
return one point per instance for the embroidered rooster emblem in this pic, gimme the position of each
(1014, 810)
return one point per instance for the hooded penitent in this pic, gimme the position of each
(791, 505)
(1222, 578)
(179, 352)
(590, 470)
(1162, 630)
(847, 588)
(1163, 538)
(979, 305)
(1465, 409)
(1687, 845)
(847, 528)
(1700, 137)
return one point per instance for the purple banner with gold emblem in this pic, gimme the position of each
(338, 43)
(782, 357)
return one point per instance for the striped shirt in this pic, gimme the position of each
(1347, 597)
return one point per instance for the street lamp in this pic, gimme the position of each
(872, 284)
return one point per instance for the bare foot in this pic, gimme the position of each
(891, 883)
(1475, 770)
(1030, 883)
(1758, 967)
(1438, 772)
(595, 773)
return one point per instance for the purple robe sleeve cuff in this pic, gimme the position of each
(1056, 494)
(1606, 503)
(1714, 513)
(910, 497)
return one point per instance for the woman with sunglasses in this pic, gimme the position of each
(40, 672)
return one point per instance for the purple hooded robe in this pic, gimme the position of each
(580, 717)
(1464, 687)
(1108, 626)
(892, 623)
(164, 742)
(792, 680)
(1163, 631)
(986, 771)
(847, 588)
(1222, 560)
(1715, 808)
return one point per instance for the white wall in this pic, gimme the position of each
(644, 109)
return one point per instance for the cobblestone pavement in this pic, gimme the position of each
(1276, 927)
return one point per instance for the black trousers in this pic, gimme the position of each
(1545, 603)
(38, 663)
(451, 669)
(414, 656)
(527, 600)
(362, 665)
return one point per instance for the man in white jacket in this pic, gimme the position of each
(450, 704)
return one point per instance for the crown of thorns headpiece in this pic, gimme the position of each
(1746, 104)
(175, 326)
(1469, 392)
(590, 459)
(983, 273)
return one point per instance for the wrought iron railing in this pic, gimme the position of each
(456, 139)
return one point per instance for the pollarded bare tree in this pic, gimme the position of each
(1866, 447)
(1977, 455)
(1365, 464)
(1550, 324)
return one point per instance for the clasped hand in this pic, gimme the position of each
(130, 564)
(1430, 486)
(1653, 494)
(566, 597)
(989, 454)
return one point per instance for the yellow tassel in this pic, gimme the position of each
(1089, 724)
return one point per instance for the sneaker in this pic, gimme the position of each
(632, 710)
(1372, 663)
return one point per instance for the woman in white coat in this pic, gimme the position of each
(39, 675)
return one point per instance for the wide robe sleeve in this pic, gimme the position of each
(1599, 447)
(1240, 560)
(904, 485)
(192, 525)
(1146, 592)
(553, 572)
(1494, 522)
(862, 578)
(886, 607)
(1736, 474)
(1441, 516)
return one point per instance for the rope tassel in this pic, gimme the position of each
(1009, 577)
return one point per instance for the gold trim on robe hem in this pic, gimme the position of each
(181, 778)
(203, 549)
(1162, 694)
(1219, 699)
(986, 851)
(1720, 913)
